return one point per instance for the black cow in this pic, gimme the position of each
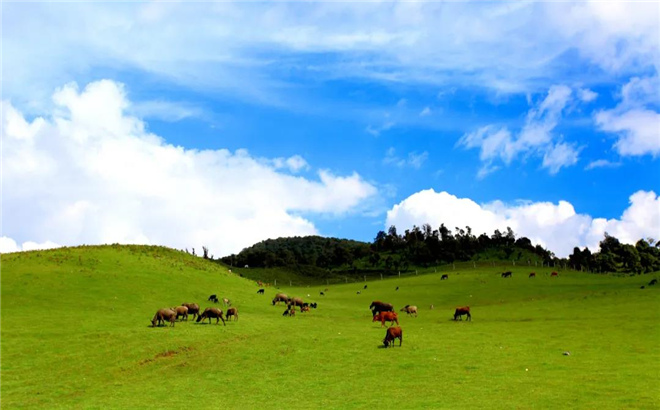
(443, 277)
(213, 298)
(313, 305)
(322, 294)
(507, 274)
(365, 286)
(261, 291)
(653, 282)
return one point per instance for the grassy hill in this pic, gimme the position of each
(75, 333)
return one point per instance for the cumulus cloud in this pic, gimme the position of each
(634, 120)
(558, 227)
(535, 138)
(90, 173)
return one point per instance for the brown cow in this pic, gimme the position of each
(280, 297)
(532, 275)
(304, 309)
(554, 274)
(212, 313)
(386, 317)
(377, 306)
(391, 334)
(232, 311)
(193, 309)
(163, 315)
(181, 311)
(409, 310)
(462, 310)
(293, 302)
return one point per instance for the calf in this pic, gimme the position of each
(313, 305)
(554, 274)
(213, 298)
(261, 291)
(460, 311)
(507, 274)
(532, 275)
(409, 310)
(304, 309)
(226, 302)
(386, 317)
(365, 286)
(322, 294)
(443, 277)
(392, 334)
(289, 311)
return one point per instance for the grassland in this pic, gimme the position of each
(75, 334)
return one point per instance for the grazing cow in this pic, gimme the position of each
(212, 313)
(392, 334)
(322, 294)
(409, 310)
(554, 274)
(365, 286)
(313, 305)
(532, 275)
(463, 310)
(280, 297)
(443, 277)
(386, 317)
(293, 302)
(642, 287)
(290, 311)
(378, 306)
(193, 309)
(232, 311)
(653, 282)
(181, 311)
(261, 291)
(226, 302)
(213, 298)
(397, 288)
(507, 274)
(358, 292)
(163, 315)
(304, 309)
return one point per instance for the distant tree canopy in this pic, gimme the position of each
(390, 250)
(613, 256)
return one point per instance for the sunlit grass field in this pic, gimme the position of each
(76, 334)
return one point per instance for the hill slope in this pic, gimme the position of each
(75, 334)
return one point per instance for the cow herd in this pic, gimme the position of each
(192, 309)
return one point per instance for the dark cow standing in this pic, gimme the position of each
(261, 291)
(463, 310)
(532, 275)
(212, 313)
(507, 274)
(213, 298)
(443, 277)
(365, 286)
(377, 306)
(554, 274)
(392, 334)
(193, 309)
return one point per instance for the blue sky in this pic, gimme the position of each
(222, 124)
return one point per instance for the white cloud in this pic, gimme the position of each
(89, 173)
(586, 95)
(169, 111)
(8, 245)
(602, 163)
(426, 111)
(414, 160)
(634, 120)
(555, 226)
(535, 137)
(294, 163)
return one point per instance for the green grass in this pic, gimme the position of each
(75, 334)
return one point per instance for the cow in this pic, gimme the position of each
(555, 274)
(358, 292)
(365, 286)
(462, 310)
(181, 311)
(163, 315)
(443, 277)
(386, 317)
(397, 288)
(212, 313)
(293, 302)
(213, 298)
(193, 309)
(226, 302)
(313, 305)
(378, 306)
(232, 311)
(280, 297)
(409, 310)
(290, 311)
(653, 282)
(392, 334)
(321, 293)
(260, 284)
(507, 274)
(304, 309)
(532, 275)
(261, 291)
